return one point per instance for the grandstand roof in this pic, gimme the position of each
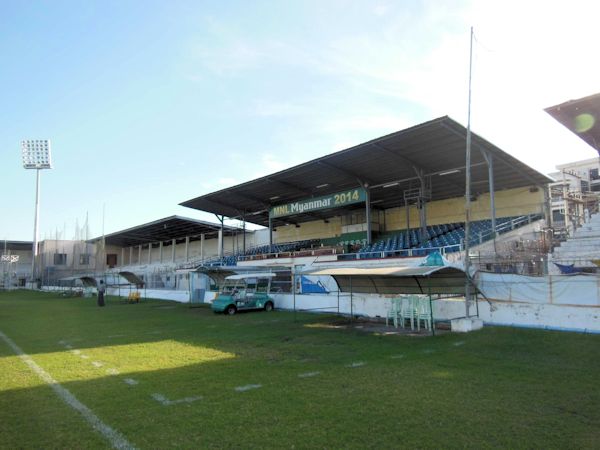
(16, 245)
(173, 227)
(387, 164)
(582, 117)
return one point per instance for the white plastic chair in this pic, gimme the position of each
(394, 312)
(423, 313)
(407, 311)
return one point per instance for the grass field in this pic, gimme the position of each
(300, 384)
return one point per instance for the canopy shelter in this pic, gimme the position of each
(88, 281)
(425, 280)
(397, 280)
(419, 164)
(582, 117)
(132, 278)
(218, 274)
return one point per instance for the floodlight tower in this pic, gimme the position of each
(36, 155)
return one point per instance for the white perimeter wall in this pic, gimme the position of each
(554, 302)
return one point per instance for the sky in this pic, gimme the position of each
(150, 103)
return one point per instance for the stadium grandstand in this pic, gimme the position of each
(401, 195)
(393, 199)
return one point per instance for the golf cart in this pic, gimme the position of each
(244, 292)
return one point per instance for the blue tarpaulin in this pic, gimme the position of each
(568, 269)
(310, 287)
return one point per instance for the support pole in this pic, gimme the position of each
(187, 248)
(490, 163)
(431, 309)
(202, 248)
(468, 187)
(351, 302)
(139, 261)
(294, 289)
(122, 256)
(407, 206)
(35, 225)
(221, 219)
(173, 247)
(270, 234)
(130, 255)
(422, 203)
(160, 251)
(368, 213)
(244, 238)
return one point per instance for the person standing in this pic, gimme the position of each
(101, 291)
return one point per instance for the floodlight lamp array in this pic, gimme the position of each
(36, 154)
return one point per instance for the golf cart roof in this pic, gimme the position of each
(243, 276)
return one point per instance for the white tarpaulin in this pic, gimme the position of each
(581, 290)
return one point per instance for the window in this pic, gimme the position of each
(84, 259)
(111, 260)
(594, 174)
(60, 259)
(585, 186)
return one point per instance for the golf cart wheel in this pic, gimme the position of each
(231, 310)
(269, 306)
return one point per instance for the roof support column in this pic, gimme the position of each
(547, 208)
(422, 205)
(139, 261)
(173, 245)
(150, 253)
(130, 255)
(270, 234)
(160, 251)
(368, 212)
(221, 219)
(202, 248)
(244, 239)
(490, 163)
(407, 206)
(187, 248)
(122, 257)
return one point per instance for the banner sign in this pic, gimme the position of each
(337, 200)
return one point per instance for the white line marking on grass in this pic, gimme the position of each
(76, 352)
(130, 381)
(62, 342)
(458, 343)
(397, 356)
(115, 336)
(112, 371)
(247, 387)
(166, 402)
(116, 439)
(356, 364)
(308, 374)
(69, 346)
(82, 356)
(428, 351)
(97, 364)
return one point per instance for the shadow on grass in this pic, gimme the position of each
(498, 388)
